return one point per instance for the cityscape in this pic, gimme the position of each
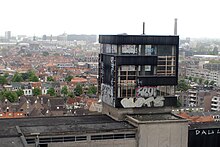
(109, 74)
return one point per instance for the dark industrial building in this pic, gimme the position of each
(138, 70)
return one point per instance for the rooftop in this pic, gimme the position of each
(154, 117)
(61, 125)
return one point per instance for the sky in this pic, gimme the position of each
(196, 18)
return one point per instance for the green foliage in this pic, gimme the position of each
(11, 96)
(25, 76)
(32, 77)
(200, 81)
(182, 86)
(212, 83)
(78, 90)
(195, 79)
(64, 90)
(51, 92)
(206, 82)
(190, 78)
(68, 78)
(3, 80)
(50, 78)
(45, 53)
(17, 78)
(179, 103)
(6, 75)
(36, 91)
(71, 94)
(92, 90)
(20, 92)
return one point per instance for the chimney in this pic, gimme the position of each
(143, 28)
(175, 26)
(42, 101)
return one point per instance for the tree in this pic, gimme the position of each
(68, 78)
(200, 81)
(6, 75)
(182, 86)
(71, 94)
(78, 90)
(190, 78)
(11, 96)
(206, 82)
(36, 91)
(212, 83)
(3, 80)
(17, 78)
(64, 91)
(51, 92)
(195, 79)
(32, 77)
(45, 53)
(25, 76)
(92, 90)
(20, 92)
(50, 78)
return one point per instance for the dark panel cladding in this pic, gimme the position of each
(168, 102)
(106, 69)
(204, 138)
(139, 39)
(156, 80)
(136, 60)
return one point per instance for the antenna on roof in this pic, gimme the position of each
(143, 28)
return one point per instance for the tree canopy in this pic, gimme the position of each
(68, 78)
(182, 86)
(50, 78)
(92, 90)
(3, 80)
(17, 78)
(78, 90)
(36, 91)
(10, 95)
(51, 92)
(64, 91)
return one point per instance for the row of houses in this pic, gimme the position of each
(38, 106)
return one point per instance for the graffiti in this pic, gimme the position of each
(107, 94)
(145, 96)
(112, 71)
(207, 132)
(146, 92)
(140, 102)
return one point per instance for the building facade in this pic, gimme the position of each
(138, 71)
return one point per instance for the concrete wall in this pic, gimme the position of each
(101, 143)
(171, 134)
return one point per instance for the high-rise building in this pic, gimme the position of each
(138, 71)
(8, 35)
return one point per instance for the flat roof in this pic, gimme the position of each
(139, 39)
(61, 125)
(204, 125)
(154, 117)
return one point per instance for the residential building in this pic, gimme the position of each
(215, 104)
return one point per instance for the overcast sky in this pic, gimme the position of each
(196, 18)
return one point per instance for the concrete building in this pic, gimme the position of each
(215, 104)
(8, 35)
(205, 74)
